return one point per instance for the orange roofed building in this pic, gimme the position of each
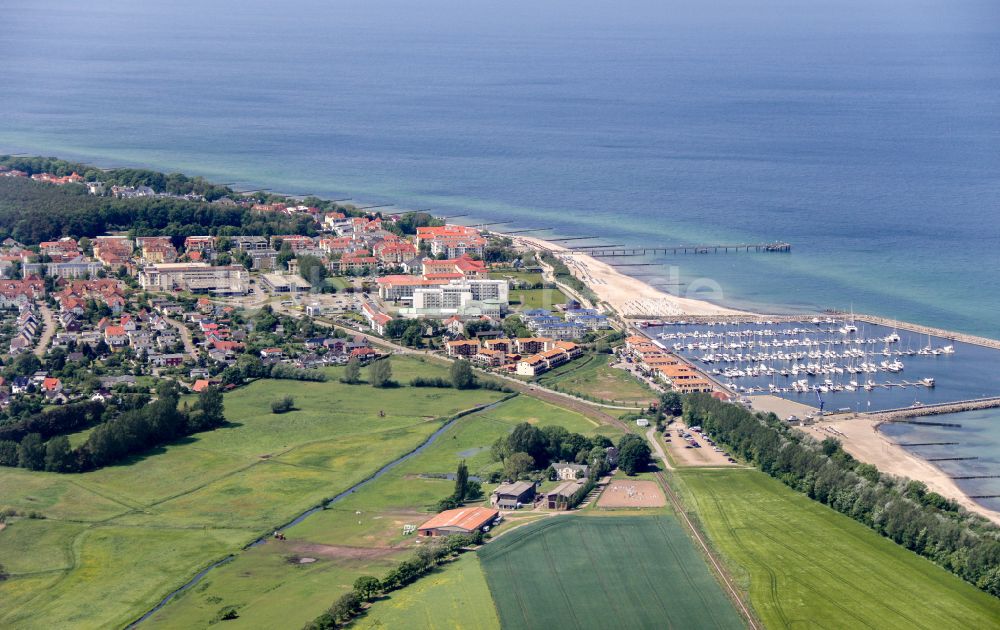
(465, 520)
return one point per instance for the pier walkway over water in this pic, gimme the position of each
(599, 251)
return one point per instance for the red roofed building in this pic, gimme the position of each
(115, 336)
(339, 245)
(201, 385)
(357, 260)
(465, 520)
(430, 233)
(465, 266)
(376, 318)
(363, 354)
(395, 251)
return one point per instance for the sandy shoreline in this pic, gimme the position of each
(628, 296)
(860, 437)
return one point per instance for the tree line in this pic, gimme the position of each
(367, 588)
(900, 509)
(42, 444)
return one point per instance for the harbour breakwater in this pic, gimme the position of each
(902, 414)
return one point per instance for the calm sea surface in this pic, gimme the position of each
(867, 134)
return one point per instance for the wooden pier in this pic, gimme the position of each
(606, 252)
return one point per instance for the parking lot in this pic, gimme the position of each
(683, 453)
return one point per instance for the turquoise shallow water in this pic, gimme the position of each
(865, 133)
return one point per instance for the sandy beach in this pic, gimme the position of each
(632, 297)
(628, 296)
(861, 439)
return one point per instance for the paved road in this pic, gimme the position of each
(48, 330)
(658, 448)
(185, 336)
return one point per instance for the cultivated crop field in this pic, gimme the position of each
(113, 542)
(808, 565)
(603, 572)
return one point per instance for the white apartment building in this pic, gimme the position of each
(196, 278)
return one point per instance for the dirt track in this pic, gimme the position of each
(632, 493)
(336, 551)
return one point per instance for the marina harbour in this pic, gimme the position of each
(838, 364)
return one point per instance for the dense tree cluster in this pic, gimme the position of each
(409, 222)
(40, 442)
(31, 212)
(250, 366)
(173, 183)
(410, 332)
(899, 509)
(528, 448)
(633, 454)
(54, 421)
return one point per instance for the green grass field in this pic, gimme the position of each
(607, 572)
(115, 541)
(593, 377)
(361, 534)
(807, 565)
(453, 598)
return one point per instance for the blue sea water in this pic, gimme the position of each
(866, 133)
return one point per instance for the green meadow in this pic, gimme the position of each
(803, 564)
(592, 377)
(113, 542)
(363, 535)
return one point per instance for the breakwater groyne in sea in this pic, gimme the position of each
(902, 414)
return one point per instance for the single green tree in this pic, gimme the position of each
(352, 372)
(461, 482)
(461, 375)
(380, 373)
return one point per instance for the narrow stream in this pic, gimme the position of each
(301, 517)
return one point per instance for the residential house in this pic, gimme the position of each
(568, 471)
